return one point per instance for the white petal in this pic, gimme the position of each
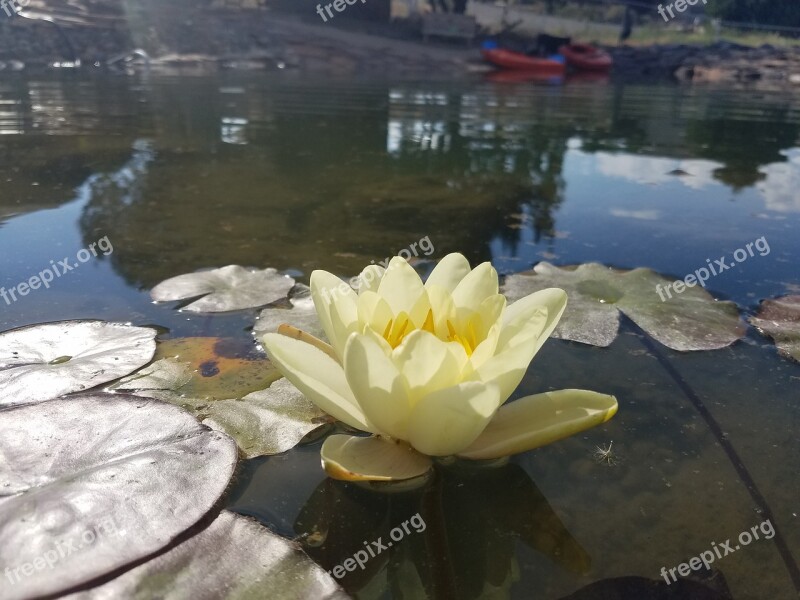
(444, 309)
(318, 376)
(449, 272)
(427, 364)
(449, 420)
(377, 384)
(478, 285)
(325, 289)
(371, 459)
(370, 278)
(401, 286)
(374, 311)
(541, 419)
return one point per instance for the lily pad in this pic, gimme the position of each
(780, 320)
(267, 422)
(691, 320)
(40, 362)
(301, 315)
(234, 557)
(194, 370)
(225, 289)
(222, 382)
(98, 481)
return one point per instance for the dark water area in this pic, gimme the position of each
(178, 174)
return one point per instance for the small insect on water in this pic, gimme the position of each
(605, 455)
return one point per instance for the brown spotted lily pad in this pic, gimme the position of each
(690, 320)
(780, 320)
(229, 385)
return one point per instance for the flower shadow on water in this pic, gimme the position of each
(472, 519)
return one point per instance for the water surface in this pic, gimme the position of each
(185, 173)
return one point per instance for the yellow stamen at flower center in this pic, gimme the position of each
(468, 339)
(399, 327)
(396, 329)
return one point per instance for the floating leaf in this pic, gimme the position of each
(222, 382)
(691, 320)
(780, 320)
(40, 362)
(234, 557)
(266, 422)
(351, 458)
(94, 482)
(301, 315)
(197, 369)
(225, 289)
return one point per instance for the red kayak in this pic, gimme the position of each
(584, 57)
(521, 62)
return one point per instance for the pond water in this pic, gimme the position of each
(184, 173)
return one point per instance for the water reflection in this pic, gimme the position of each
(472, 517)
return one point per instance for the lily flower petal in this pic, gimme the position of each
(377, 384)
(479, 284)
(541, 419)
(448, 420)
(401, 286)
(328, 290)
(427, 364)
(370, 278)
(319, 377)
(371, 459)
(449, 272)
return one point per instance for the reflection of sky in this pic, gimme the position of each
(781, 188)
(628, 211)
(653, 170)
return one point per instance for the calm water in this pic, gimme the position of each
(188, 173)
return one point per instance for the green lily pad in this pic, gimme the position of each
(105, 479)
(230, 386)
(234, 557)
(267, 422)
(780, 320)
(41, 362)
(691, 320)
(225, 289)
(301, 315)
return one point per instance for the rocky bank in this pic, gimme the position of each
(184, 34)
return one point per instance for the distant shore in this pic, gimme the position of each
(259, 39)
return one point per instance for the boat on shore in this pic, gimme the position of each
(506, 59)
(584, 57)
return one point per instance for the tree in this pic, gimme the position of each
(766, 12)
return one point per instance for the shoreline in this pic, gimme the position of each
(266, 39)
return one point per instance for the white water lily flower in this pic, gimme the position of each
(427, 368)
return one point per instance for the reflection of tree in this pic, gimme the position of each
(743, 145)
(335, 178)
(473, 518)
